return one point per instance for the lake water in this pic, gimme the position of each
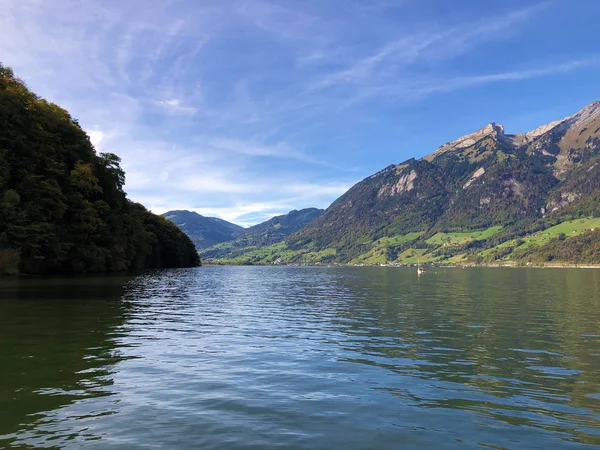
(295, 357)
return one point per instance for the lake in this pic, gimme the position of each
(301, 357)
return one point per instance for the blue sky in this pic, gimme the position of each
(248, 109)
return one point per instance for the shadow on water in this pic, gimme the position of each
(57, 347)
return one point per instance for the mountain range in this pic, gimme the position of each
(203, 231)
(216, 237)
(485, 197)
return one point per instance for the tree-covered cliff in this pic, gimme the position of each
(62, 206)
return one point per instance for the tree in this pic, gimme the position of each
(62, 207)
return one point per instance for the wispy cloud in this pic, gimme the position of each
(242, 109)
(281, 150)
(463, 82)
(248, 214)
(415, 89)
(392, 60)
(239, 209)
(277, 19)
(175, 106)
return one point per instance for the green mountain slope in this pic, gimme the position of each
(62, 206)
(204, 231)
(264, 234)
(465, 199)
(278, 228)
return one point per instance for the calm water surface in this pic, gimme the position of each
(323, 358)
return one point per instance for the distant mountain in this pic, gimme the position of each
(477, 198)
(267, 233)
(203, 231)
(278, 228)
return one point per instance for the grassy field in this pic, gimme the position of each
(413, 256)
(462, 238)
(569, 229)
(378, 254)
(278, 253)
(380, 250)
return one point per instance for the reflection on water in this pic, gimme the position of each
(57, 347)
(263, 357)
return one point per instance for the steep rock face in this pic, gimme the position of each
(491, 132)
(203, 231)
(492, 181)
(403, 197)
(484, 178)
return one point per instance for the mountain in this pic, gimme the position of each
(62, 206)
(278, 228)
(203, 231)
(480, 191)
(271, 232)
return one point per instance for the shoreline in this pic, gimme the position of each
(441, 266)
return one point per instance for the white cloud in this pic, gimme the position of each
(206, 183)
(174, 106)
(231, 214)
(96, 137)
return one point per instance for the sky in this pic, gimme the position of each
(246, 109)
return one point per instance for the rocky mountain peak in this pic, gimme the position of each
(492, 129)
(580, 120)
(533, 134)
(587, 114)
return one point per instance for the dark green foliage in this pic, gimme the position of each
(582, 249)
(170, 249)
(515, 189)
(62, 207)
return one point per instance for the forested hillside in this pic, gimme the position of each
(62, 206)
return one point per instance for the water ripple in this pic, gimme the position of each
(270, 357)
